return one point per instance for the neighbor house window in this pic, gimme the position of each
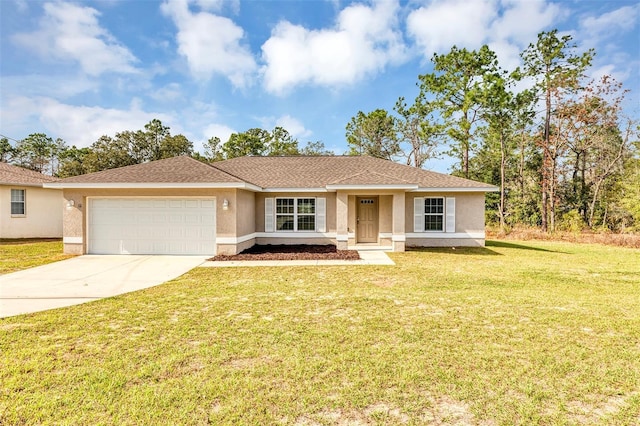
(434, 214)
(18, 202)
(295, 214)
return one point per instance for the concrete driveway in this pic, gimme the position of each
(86, 278)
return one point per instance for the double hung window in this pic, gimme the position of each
(295, 214)
(434, 214)
(18, 202)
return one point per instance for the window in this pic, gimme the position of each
(434, 214)
(295, 214)
(18, 202)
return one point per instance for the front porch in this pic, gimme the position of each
(370, 220)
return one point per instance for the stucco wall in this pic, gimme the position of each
(469, 229)
(43, 218)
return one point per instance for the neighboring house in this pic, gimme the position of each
(27, 210)
(183, 206)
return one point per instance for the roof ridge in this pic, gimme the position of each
(230, 174)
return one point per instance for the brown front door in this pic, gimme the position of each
(367, 219)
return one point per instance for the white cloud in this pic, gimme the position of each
(76, 124)
(616, 21)
(293, 126)
(442, 24)
(211, 44)
(220, 130)
(507, 26)
(521, 21)
(169, 93)
(363, 41)
(71, 32)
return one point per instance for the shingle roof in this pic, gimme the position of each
(170, 170)
(294, 172)
(14, 175)
(318, 172)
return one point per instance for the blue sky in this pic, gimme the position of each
(79, 70)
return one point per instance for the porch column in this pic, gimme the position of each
(342, 220)
(398, 236)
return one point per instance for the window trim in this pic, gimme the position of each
(443, 215)
(23, 202)
(295, 214)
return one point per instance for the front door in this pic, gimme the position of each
(367, 220)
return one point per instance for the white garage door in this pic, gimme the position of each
(152, 226)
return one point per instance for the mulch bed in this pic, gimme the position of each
(291, 252)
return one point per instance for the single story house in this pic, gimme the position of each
(27, 210)
(183, 206)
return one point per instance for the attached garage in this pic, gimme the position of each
(180, 226)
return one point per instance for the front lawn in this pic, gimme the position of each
(516, 333)
(22, 254)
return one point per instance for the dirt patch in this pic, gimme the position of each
(291, 252)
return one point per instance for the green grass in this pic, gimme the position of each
(22, 254)
(516, 333)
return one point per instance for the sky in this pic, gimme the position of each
(79, 70)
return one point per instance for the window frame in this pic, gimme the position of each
(22, 202)
(296, 214)
(442, 215)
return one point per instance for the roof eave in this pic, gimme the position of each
(292, 189)
(31, 185)
(457, 189)
(410, 187)
(153, 185)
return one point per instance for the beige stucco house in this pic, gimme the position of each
(183, 206)
(27, 210)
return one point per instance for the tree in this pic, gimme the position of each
(504, 112)
(418, 131)
(556, 72)
(110, 153)
(630, 194)
(213, 149)
(175, 145)
(6, 150)
(598, 143)
(252, 142)
(373, 134)
(282, 143)
(35, 152)
(454, 89)
(316, 148)
(72, 162)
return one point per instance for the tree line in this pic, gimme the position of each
(557, 144)
(42, 153)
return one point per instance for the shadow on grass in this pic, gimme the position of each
(503, 244)
(19, 241)
(470, 251)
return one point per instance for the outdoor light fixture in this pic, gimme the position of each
(71, 203)
(225, 204)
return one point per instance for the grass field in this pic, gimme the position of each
(515, 333)
(22, 254)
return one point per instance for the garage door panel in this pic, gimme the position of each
(151, 226)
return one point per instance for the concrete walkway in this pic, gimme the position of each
(367, 257)
(86, 278)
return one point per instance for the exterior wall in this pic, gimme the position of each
(75, 218)
(469, 229)
(290, 241)
(43, 218)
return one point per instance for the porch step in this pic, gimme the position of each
(370, 247)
